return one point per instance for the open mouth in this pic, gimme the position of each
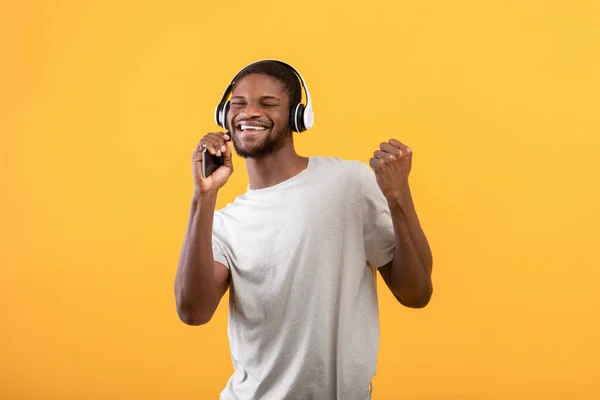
(251, 128)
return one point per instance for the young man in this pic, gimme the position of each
(298, 250)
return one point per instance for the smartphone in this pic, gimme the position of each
(210, 163)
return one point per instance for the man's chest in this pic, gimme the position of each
(294, 229)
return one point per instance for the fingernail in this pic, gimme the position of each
(223, 148)
(218, 153)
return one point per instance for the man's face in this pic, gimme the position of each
(258, 116)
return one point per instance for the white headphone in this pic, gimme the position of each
(301, 117)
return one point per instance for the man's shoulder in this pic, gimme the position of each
(345, 171)
(340, 164)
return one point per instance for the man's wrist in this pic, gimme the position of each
(401, 205)
(400, 198)
(204, 197)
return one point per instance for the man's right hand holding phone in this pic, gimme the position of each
(217, 144)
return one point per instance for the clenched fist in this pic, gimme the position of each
(217, 144)
(392, 164)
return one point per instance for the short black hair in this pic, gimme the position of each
(278, 71)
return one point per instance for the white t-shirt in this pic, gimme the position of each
(303, 310)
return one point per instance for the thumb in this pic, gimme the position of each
(227, 155)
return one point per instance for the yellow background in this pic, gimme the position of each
(102, 104)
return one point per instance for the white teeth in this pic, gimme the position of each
(256, 128)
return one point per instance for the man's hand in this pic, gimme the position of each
(392, 164)
(219, 145)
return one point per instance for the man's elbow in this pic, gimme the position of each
(418, 300)
(193, 316)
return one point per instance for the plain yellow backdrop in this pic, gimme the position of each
(102, 104)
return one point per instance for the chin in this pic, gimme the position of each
(258, 150)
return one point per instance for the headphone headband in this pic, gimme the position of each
(302, 118)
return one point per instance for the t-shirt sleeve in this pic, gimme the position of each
(218, 253)
(217, 242)
(378, 230)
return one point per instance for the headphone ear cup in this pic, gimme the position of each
(298, 118)
(223, 113)
(293, 119)
(218, 109)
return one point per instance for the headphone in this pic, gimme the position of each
(301, 117)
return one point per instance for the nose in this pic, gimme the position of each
(251, 111)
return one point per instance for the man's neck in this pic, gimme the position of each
(275, 168)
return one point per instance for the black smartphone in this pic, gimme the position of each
(210, 163)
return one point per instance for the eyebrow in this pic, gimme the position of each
(262, 97)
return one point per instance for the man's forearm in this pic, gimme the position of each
(195, 285)
(412, 265)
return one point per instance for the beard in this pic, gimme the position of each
(262, 149)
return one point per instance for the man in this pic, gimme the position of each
(298, 250)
